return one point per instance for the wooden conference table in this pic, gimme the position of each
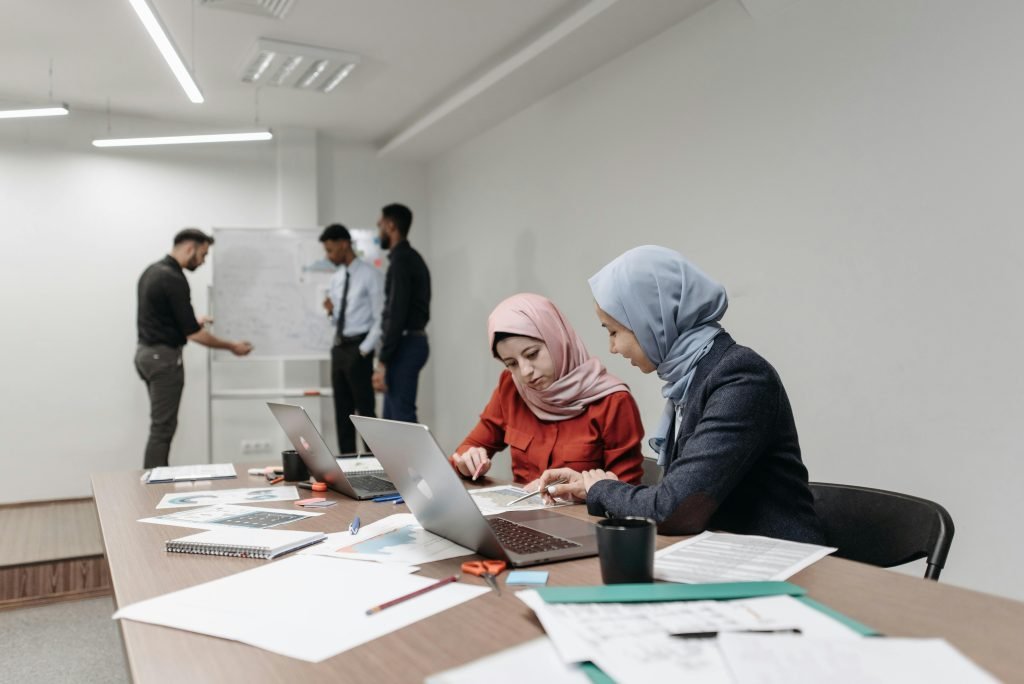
(988, 629)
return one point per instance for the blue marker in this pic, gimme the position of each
(388, 497)
(354, 527)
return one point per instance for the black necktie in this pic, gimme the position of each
(343, 306)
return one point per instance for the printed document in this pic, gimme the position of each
(718, 557)
(214, 517)
(582, 631)
(215, 496)
(491, 500)
(206, 471)
(394, 539)
(241, 608)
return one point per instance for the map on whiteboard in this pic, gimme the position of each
(268, 288)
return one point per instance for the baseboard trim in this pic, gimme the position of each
(35, 584)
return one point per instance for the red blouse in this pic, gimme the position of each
(606, 435)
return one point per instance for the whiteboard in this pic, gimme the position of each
(269, 286)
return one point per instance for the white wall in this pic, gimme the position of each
(850, 171)
(79, 225)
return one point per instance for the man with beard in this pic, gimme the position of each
(166, 322)
(404, 349)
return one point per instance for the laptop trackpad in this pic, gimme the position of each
(551, 523)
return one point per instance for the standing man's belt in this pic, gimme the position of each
(352, 339)
(414, 333)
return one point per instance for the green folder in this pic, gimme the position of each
(645, 593)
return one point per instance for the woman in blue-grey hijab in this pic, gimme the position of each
(727, 439)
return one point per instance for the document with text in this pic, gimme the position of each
(721, 557)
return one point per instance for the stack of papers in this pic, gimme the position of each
(763, 640)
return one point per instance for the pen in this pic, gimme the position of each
(527, 496)
(430, 587)
(387, 497)
(397, 501)
(279, 478)
(354, 527)
(476, 473)
(712, 635)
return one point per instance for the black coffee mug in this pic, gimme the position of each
(626, 550)
(294, 468)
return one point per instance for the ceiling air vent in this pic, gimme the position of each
(291, 65)
(265, 8)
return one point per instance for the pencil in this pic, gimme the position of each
(424, 590)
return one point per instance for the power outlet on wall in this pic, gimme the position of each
(255, 446)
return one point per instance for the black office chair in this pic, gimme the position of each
(883, 528)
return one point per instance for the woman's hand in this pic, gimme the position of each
(472, 462)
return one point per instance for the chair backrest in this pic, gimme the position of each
(883, 528)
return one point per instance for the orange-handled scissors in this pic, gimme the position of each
(488, 570)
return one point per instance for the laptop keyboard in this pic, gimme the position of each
(371, 484)
(523, 539)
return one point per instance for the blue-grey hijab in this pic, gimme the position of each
(672, 307)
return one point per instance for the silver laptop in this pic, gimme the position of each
(436, 496)
(320, 461)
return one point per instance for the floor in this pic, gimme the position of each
(73, 641)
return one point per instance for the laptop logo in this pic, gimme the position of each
(303, 442)
(421, 484)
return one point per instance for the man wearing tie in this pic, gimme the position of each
(354, 302)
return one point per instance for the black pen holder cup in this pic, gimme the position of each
(294, 468)
(626, 550)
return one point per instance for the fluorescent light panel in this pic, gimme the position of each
(276, 63)
(170, 53)
(36, 111)
(185, 139)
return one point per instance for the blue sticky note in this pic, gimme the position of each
(527, 577)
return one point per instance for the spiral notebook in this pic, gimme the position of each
(244, 543)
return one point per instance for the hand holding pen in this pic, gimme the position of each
(472, 463)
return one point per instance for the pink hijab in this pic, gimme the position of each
(582, 379)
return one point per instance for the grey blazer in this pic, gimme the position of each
(736, 465)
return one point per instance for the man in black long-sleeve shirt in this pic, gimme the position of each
(404, 348)
(165, 323)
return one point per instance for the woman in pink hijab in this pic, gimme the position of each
(555, 406)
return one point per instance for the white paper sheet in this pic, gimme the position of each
(214, 517)
(219, 496)
(205, 471)
(491, 500)
(394, 539)
(720, 557)
(767, 659)
(507, 667)
(581, 631)
(661, 658)
(240, 608)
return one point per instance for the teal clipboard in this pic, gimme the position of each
(637, 593)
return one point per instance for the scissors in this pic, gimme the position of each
(488, 570)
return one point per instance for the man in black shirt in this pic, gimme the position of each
(404, 349)
(166, 322)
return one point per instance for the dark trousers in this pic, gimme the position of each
(403, 377)
(161, 369)
(352, 380)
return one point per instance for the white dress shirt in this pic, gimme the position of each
(365, 301)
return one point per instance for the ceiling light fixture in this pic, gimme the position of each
(163, 42)
(276, 62)
(185, 139)
(35, 111)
